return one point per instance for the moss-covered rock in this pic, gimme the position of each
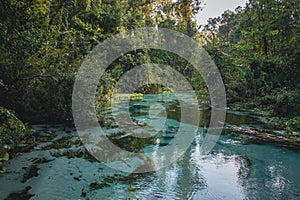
(12, 130)
(136, 96)
(14, 136)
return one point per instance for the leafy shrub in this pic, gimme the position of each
(292, 126)
(12, 130)
(13, 134)
(284, 103)
(287, 103)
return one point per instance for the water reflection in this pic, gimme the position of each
(233, 170)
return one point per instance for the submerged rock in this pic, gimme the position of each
(31, 172)
(96, 185)
(246, 160)
(20, 195)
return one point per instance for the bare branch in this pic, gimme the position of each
(40, 76)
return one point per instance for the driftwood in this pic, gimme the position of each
(263, 136)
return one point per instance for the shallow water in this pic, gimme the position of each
(235, 169)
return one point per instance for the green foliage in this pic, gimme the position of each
(12, 130)
(257, 55)
(4, 156)
(136, 96)
(13, 134)
(292, 127)
(44, 42)
(165, 90)
(287, 103)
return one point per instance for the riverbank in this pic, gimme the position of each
(287, 126)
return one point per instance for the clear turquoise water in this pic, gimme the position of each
(235, 169)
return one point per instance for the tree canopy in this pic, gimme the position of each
(43, 43)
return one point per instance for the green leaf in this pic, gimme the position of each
(22, 145)
(295, 133)
(4, 156)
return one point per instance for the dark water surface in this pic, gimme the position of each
(235, 169)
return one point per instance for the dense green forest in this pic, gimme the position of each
(257, 50)
(43, 43)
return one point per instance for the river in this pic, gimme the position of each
(234, 169)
